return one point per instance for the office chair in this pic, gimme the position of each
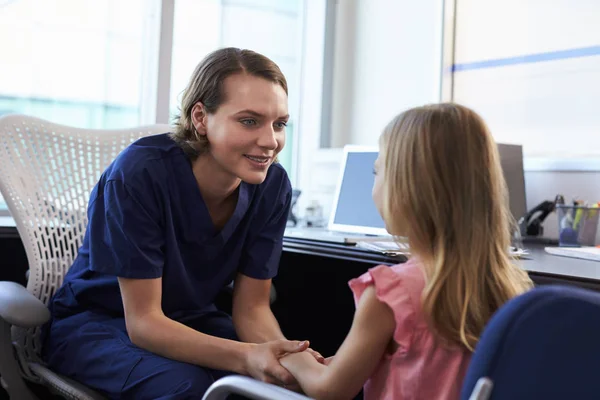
(250, 389)
(46, 174)
(544, 344)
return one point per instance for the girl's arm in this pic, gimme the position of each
(370, 335)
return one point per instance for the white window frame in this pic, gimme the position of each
(154, 99)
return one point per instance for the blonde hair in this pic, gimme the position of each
(444, 189)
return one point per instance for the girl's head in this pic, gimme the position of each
(234, 109)
(439, 183)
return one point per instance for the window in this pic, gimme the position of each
(270, 27)
(95, 63)
(76, 62)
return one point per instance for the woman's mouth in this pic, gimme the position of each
(259, 161)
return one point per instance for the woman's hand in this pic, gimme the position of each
(262, 361)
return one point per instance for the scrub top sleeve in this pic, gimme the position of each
(260, 259)
(131, 234)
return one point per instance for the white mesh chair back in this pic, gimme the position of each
(47, 172)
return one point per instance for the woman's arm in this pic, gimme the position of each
(251, 312)
(150, 329)
(252, 316)
(371, 333)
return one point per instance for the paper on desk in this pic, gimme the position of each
(385, 247)
(402, 248)
(586, 253)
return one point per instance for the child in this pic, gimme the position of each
(439, 184)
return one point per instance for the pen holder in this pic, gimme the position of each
(577, 225)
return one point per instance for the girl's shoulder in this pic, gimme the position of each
(400, 287)
(406, 276)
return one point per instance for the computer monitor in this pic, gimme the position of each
(353, 207)
(511, 159)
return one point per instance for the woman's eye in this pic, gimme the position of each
(248, 122)
(281, 125)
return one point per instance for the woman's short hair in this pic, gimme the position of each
(206, 86)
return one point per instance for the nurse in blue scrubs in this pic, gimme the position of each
(174, 219)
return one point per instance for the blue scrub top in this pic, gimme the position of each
(147, 219)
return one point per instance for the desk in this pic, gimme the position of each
(313, 298)
(315, 303)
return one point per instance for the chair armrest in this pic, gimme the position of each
(250, 388)
(20, 308)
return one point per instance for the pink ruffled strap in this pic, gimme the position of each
(391, 289)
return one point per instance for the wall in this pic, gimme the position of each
(533, 71)
(397, 62)
(387, 58)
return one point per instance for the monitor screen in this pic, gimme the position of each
(511, 159)
(355, 210)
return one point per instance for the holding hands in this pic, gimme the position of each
(262, 361)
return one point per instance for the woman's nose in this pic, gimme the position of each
(268, 138)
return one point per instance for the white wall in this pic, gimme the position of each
(387, 59)
(532, 69)
(397, 62)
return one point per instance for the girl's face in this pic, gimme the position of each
(377, 192)
(248, 130)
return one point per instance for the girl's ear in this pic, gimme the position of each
(199, 118)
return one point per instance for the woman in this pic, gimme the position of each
(173, 220)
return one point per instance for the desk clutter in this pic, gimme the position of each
(401, 247)
(578, 223)
(389, 248)
(577, 227)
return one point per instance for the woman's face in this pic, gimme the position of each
(247, 131)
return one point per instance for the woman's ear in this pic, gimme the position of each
(199, 117)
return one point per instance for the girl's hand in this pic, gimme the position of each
(316, 355)
(262, 361)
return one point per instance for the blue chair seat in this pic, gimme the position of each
(544, 344)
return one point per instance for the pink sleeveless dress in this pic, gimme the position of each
(421, 367)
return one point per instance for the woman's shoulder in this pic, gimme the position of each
(142, 162)
(149, 148)
(277, 176)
